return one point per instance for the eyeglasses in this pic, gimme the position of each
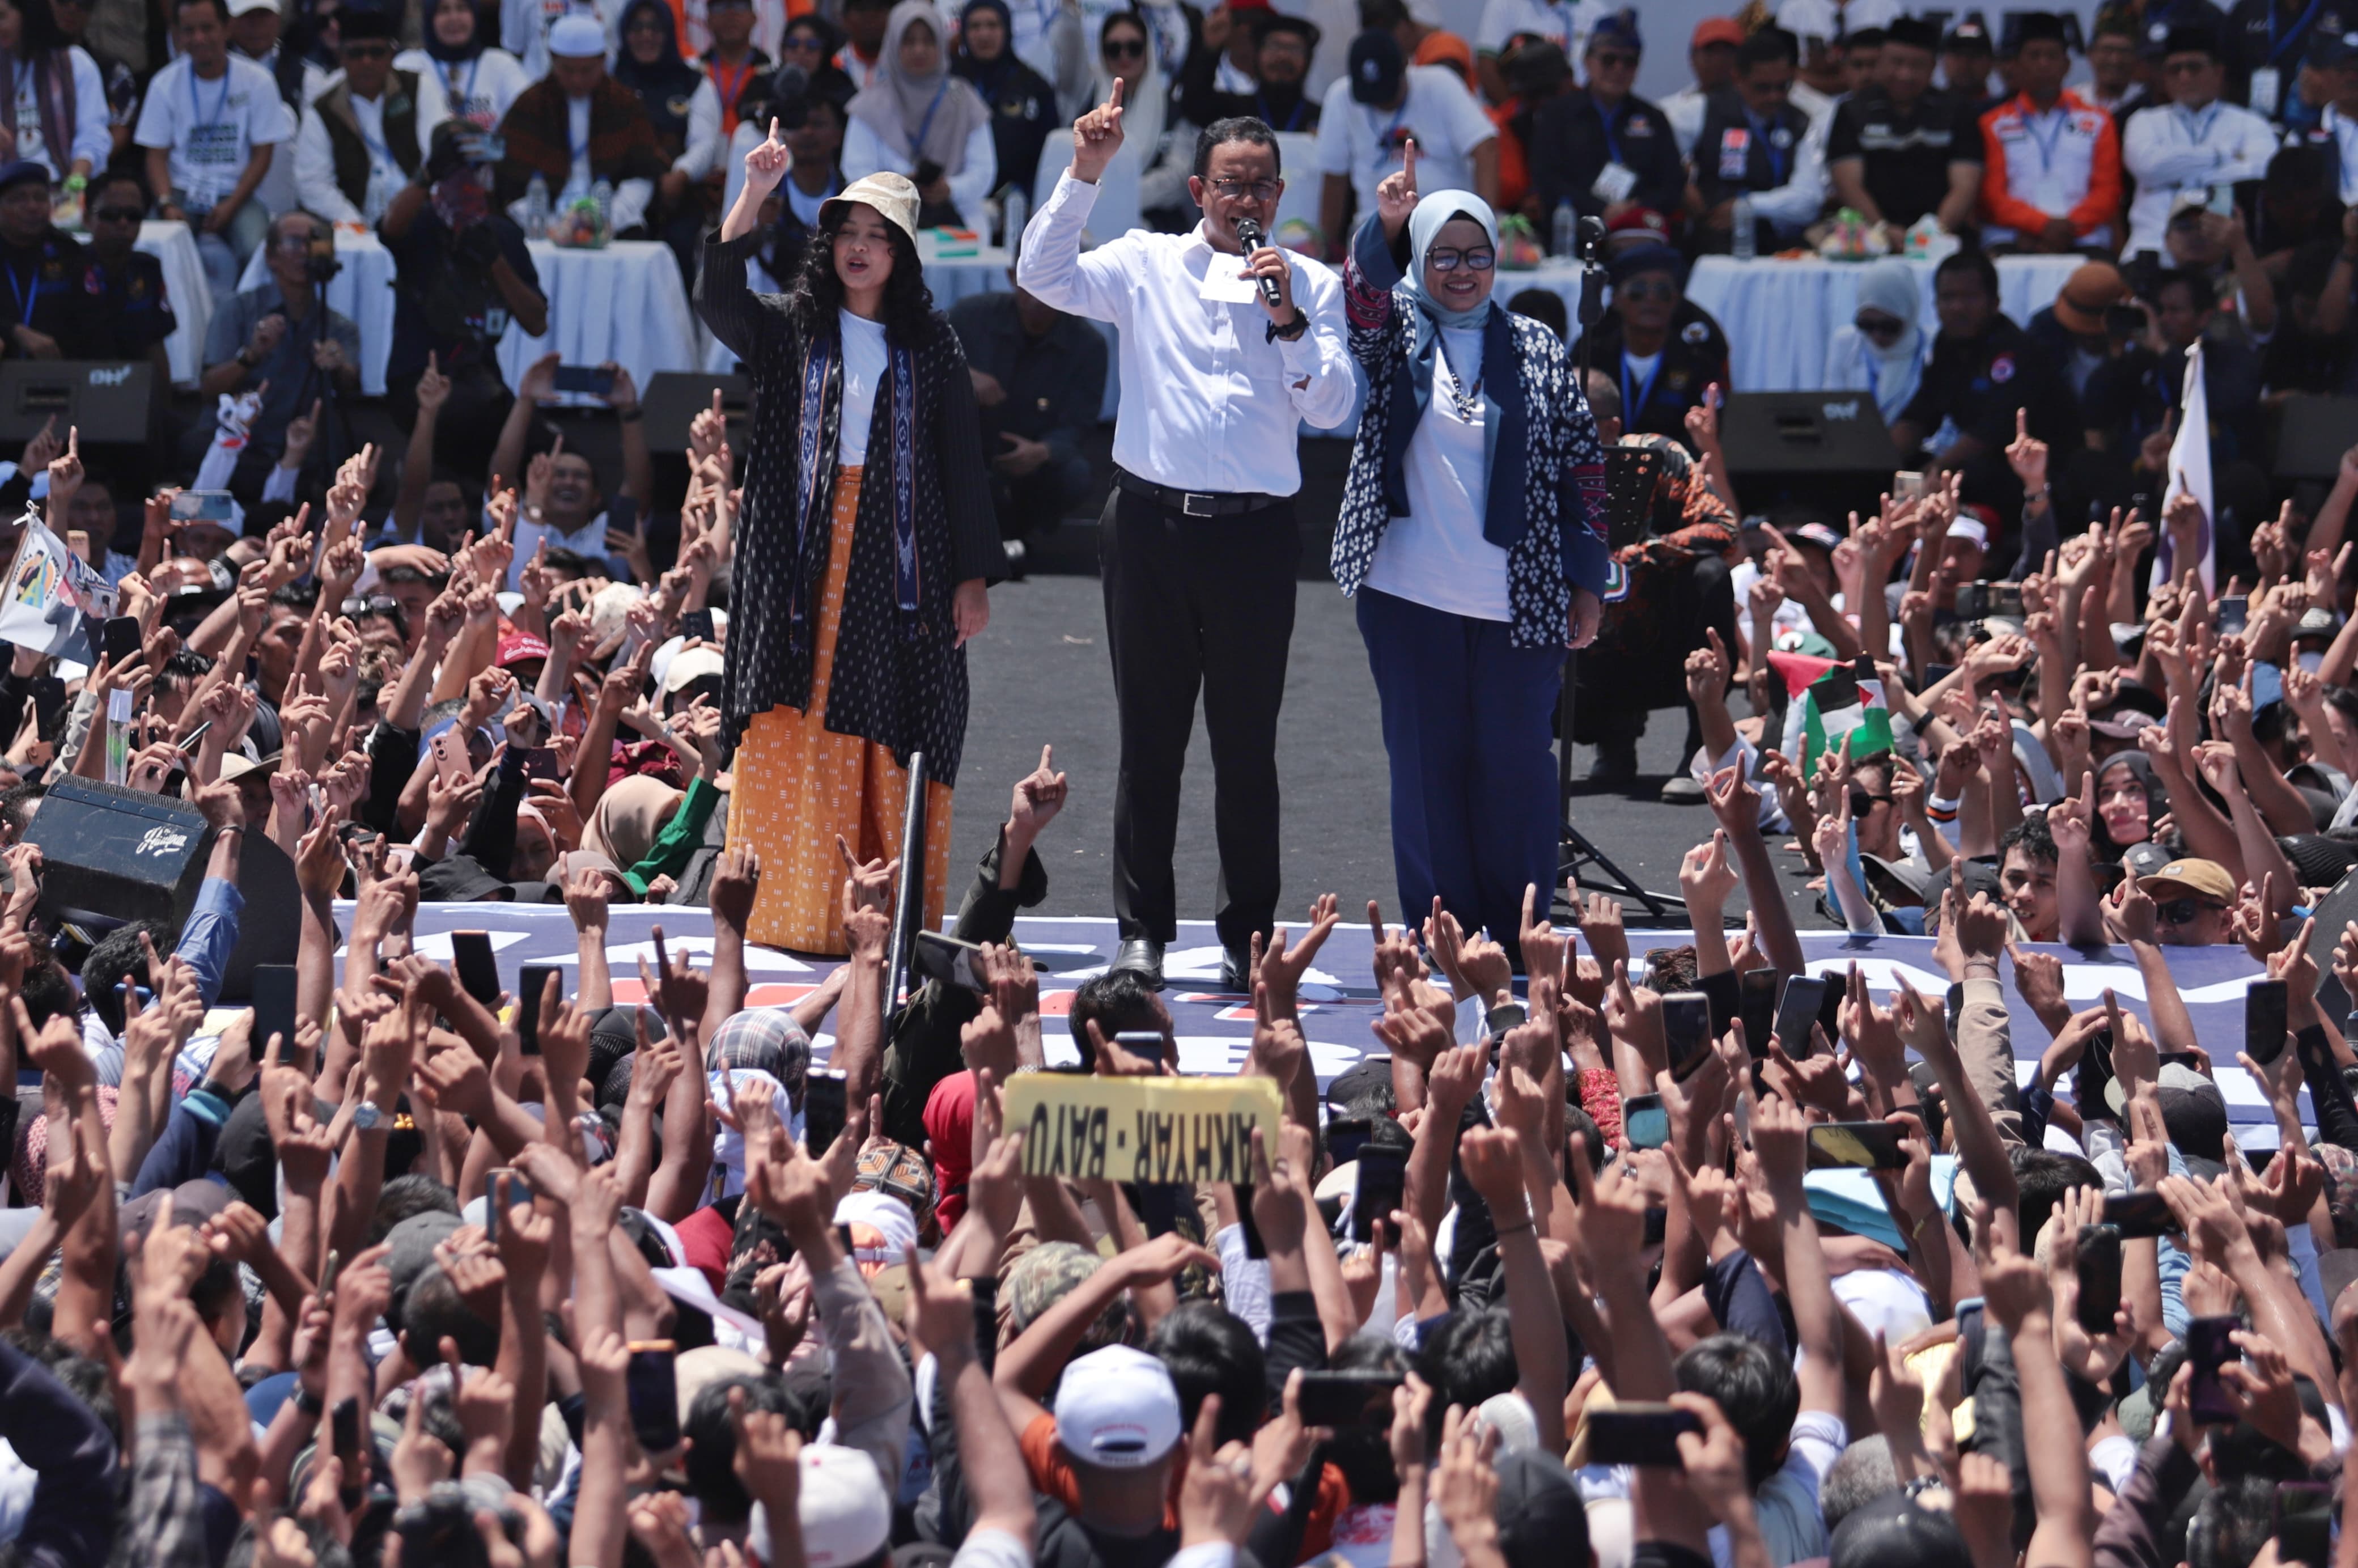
(1861, 803)
(1641, 288)
(2185, 911)
(1238, 190)
(1130, 49)
(1604, 59)
(372, 604)
(118, 214)
(810, 41)
(291, 242)
(1448, 261)
(1882, 328)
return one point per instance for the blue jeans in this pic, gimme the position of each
(1466, 725)
(225, 255)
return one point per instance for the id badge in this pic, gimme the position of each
(1614, 182)
(2267, 91)
(1735, 152)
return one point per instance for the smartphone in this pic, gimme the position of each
(516, 1188)
(2234, 612)
(653, 1387)
(479, 972)
(592, 379)
(2265, 1025)
(2208, 1348)
(2223, 200)
(540, 762)
(843, 1239)
(485, 148)
(119, 639)
(529, 981)
(49, 705)
(1906, 485)
(697, 623)
(1756, 1006)
(274, 1006)
(1856, 1145)
(328, 1271)
(823, 1112)
(1644, 1122)
(1382, 1187)
(2139, 1215)
(344, 1442)
(939, 957)
(1346, 1136)
(1254, 1246)
(1348, 1399)
(1640, 1433)
(2304, 1523)
(1978, 600)
(1797, 1010)
(2100, 1277)
(448, 749)
(2123, 321)
(1686, 1026)
(202, 507)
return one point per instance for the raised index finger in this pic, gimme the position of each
(1113, 99)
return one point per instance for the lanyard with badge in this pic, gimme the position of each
(917, 142)
(2056, 123)
(1632, 405)
(24, 307)
(730, 86)
(1765, 132)
(204, 130)
(2267, 81)
(461, 98)
(1616, 179)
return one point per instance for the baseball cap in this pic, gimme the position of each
(693, 664)
(1642, 220)
(1541, 1520)
(1617, 27)
(2080, 304)
(518, 646)
(2333, 49)
(1377, 67)
(577, 37)
(2207, 879)
(1817, 534)
(1117, 1408)
(1716, 30)
(23, 171)
(1963, 527)
(840, 1508)
(239, 8)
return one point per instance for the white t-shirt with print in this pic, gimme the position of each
(212, 127)
(1366, 142)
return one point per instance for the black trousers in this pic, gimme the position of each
(1196, 602)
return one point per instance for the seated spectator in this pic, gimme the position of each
(2121, 397)
(578, 126)
(2051, 161)
(563, 502)
(2215, 247)
(1039, 383)
(732, 65)
(1023, 105)
(61, 117)
(134, 316)
(1537, 74)
(2116, 79)
(810, 45)
(47, 315)
(1863, 60)
(1820, 77)
(735, 74)
(71, 19)
(2267, 41)
(863, 28)
(2334, 62)
(1382, 105)
(269, 338)
(479, 78)
(813, 130)
(461, 274)
(1504, 22)
(2193, 144)
(1603, 148)
(1661, 349)
(1422, 36)
(1146, 183)
(1710, 56)
(210, 124)
(362, 138)
(1981, 369)
(2296, 205)
(1755, 143)
(916, 118)
(1967, 62)
(1882, 352)
(1273, 91)
(649, 65)
(1903, 147)
(2073, 329)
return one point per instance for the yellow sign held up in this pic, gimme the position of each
(1141, 1129)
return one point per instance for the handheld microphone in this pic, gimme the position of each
(1249, 236)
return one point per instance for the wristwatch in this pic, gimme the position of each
(367, 1117)
(1292, 329)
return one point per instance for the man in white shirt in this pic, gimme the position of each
(211, 123)
(362, 138)
(1378, 107)
(1224, 355)
(580, 126)
(2195, 142)
(1711, 55)
(1565, 23)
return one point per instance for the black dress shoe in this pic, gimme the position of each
(1236, 970)
(1144, 954)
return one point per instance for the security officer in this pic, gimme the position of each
(1662, 348)
(1602, 147)
(1982, 368)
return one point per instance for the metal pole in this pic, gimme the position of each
(909, 898)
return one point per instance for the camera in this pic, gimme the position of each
(1979, 600)
(320, 263)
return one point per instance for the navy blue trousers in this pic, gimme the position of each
(1467, 723)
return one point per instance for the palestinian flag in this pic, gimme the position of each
(1827, 700)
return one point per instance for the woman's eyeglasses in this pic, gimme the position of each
(1126, 49)
(1882, 328)
(1643, 289)
(810, 41)
(1448, 261)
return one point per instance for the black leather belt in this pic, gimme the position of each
(1195, 503)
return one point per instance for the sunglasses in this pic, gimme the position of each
(1882, 331)
(1643, 289)
(1861, 803)
(118, 214)
(1614, 59)
(1446, 261)
(805, 41)
(2184, 911)
(1126, 51)
(372, 604)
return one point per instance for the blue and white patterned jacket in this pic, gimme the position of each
(1547, 466)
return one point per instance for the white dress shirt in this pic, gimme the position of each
(2169, 148)
(1209, 403)
(1683, 108)
(1437, 556)
(315, 155)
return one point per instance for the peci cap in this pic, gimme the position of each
(2036, 26)
(2332, 50)
(894, 198)
(1914, 34)
(1714, 30)
(577, 37)
(1968, 37)
(355, 23)
(2092, 286)
(1117, 1408)
(1378, 67)
(2205, 879)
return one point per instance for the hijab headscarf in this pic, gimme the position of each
(2157, 798)
(670, 75)
(928, 118)
(1889, 285)
(630, 814)
(42, 47)
(456, 54)
(987, 75)
(1143, 111)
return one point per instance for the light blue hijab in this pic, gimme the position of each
(1503, 436)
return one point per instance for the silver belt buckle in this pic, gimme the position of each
(1188, 506)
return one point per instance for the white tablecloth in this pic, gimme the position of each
(624, 303)
(1780, 316)
(184, 286)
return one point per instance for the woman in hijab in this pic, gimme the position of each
(479, 80)
(915, 118)
(1473, 537)
(1882, 350)
(1158, 146)
(1023, 105)
(2130, 800)
(60, 98)
(649, 65)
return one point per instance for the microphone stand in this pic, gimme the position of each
(1578, 859)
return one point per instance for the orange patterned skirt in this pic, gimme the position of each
(798, 785)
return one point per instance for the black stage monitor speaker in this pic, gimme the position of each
(106, 399)
(2314, 434)
(1819, 434)
(674, 398)
(111, 855)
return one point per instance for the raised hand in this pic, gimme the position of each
(766, 163)
(1096, 136)
(1396, 197)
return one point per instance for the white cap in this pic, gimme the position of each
(882, 1228)
(1115, 1407)
(577, 37)
(1964, 527)
(239, 8)
(728, 1143)
(841, 1509)
(691, 665)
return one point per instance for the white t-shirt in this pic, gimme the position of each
(86, 131)
(865, 361)
(477, 92)
(1437, 556)
(212, 127)
(1366, 142)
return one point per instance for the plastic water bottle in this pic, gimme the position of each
(1744, 244)
(1565, 238)
(1014, 211)
(535, 209)
(601, 194)
(373, 199)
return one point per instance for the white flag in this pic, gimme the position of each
(51, 590)
(2190, 473)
